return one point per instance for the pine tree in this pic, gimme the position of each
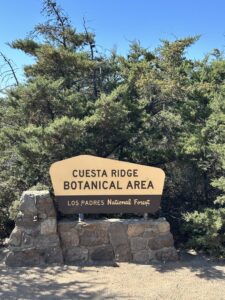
(157, 108)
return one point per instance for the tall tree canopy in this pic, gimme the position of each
(156, 107)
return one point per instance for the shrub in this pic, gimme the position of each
(206, 231)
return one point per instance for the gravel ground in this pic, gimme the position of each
(193, 277)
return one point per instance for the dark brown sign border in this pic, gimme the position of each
(85, 204)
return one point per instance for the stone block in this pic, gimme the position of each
(53, 255)
(66, 225)
(45, 205)
(102, 253)
(123, 253)
(141, 256)
(138, 243)
(150, 232)
(48, 226)
(26, 221)
(161, 241)
(15, 239)
(28, 203)
(32, 231)
(136, 229)
(151, 255)
(23, 258)
(47, 241)
(93, 234)
(162, 225)
(75, 255)
(93, 225)
(27, 240)
(69, 239)
(119, 241)
(68, 234)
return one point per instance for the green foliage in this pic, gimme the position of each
(152, 107)
(39, 187)
(14, 210)
(206, 230)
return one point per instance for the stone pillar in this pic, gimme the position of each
(34, 240)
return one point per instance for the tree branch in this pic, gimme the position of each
(92, 46)
(8, 62)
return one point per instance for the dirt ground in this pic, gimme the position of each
(192, 277)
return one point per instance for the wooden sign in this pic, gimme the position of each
(89, 184)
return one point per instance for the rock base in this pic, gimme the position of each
(39, 240)
(122, 240)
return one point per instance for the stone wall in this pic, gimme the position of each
(136, 240)
(39, 239)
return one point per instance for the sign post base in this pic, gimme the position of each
(49, 241)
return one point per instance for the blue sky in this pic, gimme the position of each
(117, 22)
